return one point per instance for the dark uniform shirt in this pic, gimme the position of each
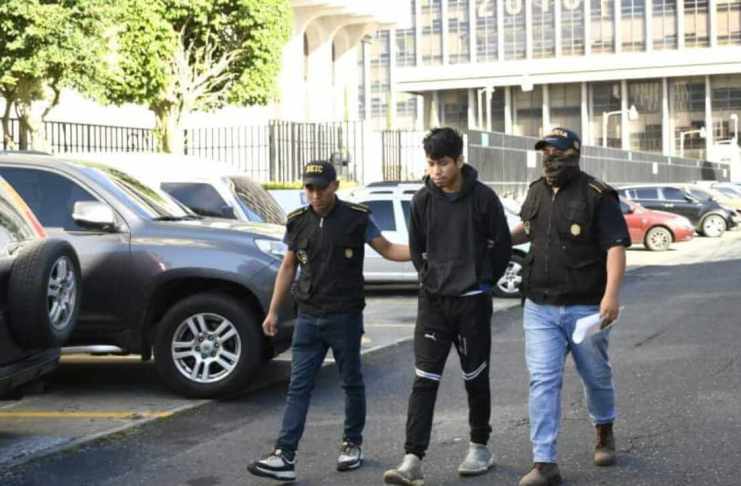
(570, 232)
(330, 251)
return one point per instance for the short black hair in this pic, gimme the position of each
(443, 142)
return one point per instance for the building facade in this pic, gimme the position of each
(659, 76)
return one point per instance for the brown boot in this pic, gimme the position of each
(542, 474)
(604, 452)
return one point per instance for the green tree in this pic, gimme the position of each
(179, 56)
(45, 46)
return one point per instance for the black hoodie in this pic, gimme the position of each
(459, 242)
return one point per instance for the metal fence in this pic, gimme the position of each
(64, 137)
(509, 163)
(402, 157)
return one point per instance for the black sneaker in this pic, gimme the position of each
(351, 457)
(275, 466)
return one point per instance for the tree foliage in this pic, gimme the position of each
(178, 56)
(47, 45)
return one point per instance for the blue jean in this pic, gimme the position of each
(548, 339)
(312, 337)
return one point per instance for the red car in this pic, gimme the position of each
(655, 229)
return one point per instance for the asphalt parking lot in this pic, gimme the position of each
(93, 396)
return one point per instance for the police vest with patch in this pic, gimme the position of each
(566, 264)
(330, 251)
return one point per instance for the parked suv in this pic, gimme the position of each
(40, 296)
(390, 204)
(158, 277)
(708, 217)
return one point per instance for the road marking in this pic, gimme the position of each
(84, 415)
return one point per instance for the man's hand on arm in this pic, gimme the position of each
(283, 281)
(519, 236)
(391, 251)
(609, 307)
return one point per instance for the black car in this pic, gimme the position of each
(40, 296)
(709, 218)
(159, 279)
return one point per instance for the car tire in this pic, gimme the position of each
(658, 238)
(713, 226)
(208, 345)
(44, 294)
(509, 286)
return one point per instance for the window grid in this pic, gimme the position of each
(664, 24)
(432, 32)
(544, 35)
(633, 26)
(729, 22)
(572, 28)
(696, 23)
(486, 31)
(603, 35)
(459, 31)
(406, 44)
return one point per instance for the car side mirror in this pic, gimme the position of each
(691, 199)
(228, 212)
(94, 215)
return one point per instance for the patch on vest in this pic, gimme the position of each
(526, 226)
(348, 253)
(302, 257)
(575, 229)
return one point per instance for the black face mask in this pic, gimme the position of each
(559, 170)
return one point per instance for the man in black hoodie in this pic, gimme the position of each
(460, 245)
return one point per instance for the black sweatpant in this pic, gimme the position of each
(442, 321)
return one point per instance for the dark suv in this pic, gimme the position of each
(40, 296)
(158, 277)
(708, 217)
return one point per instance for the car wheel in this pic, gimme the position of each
(713, 226)
(44, 294)
(510, 283)
(658, 238)
(208, 345)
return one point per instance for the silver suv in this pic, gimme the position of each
(158, 277)
(390, 204)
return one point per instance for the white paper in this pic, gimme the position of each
(590, 325)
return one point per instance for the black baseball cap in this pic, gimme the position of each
(319, 173)
(561, 138)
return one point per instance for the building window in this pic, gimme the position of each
(633, 24)
(527, 112)
(406, 111)
(645, 133)
(605, 98)
(380, 81)
(486, 31)
(515, 34)
(665, 24)
(696, 23)
(406, 46)
(459, 32)
(362, 78)
(687, 115)
(544, 35)
(432, 33)
(572, 27)
(454, 106)
(565, 106)
(726, 101)
(729, 22)
(603, 20)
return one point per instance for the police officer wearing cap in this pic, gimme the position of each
(326, 239)
(574, 269)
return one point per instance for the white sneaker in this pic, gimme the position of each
(477, 461)
(275, 466)
(351, 457)
(409, 472)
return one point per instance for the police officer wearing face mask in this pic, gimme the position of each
(574, 269)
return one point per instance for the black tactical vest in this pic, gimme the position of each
(330, 252)
(566, 264)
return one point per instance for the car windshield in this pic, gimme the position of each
(13, 226)
(156, 203)
(256, 202)
(727, 191)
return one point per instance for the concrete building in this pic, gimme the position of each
(658, 76)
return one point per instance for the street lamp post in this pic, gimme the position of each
(632, 116)
(487, 91)
(701, 131)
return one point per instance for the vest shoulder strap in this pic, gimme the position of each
(297, 212)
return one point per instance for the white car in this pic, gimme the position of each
(207, 187)
(390, 204)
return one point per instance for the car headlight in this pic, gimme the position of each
(274, 248)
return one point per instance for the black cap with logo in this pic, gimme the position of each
(319, 173)
(561, 138)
